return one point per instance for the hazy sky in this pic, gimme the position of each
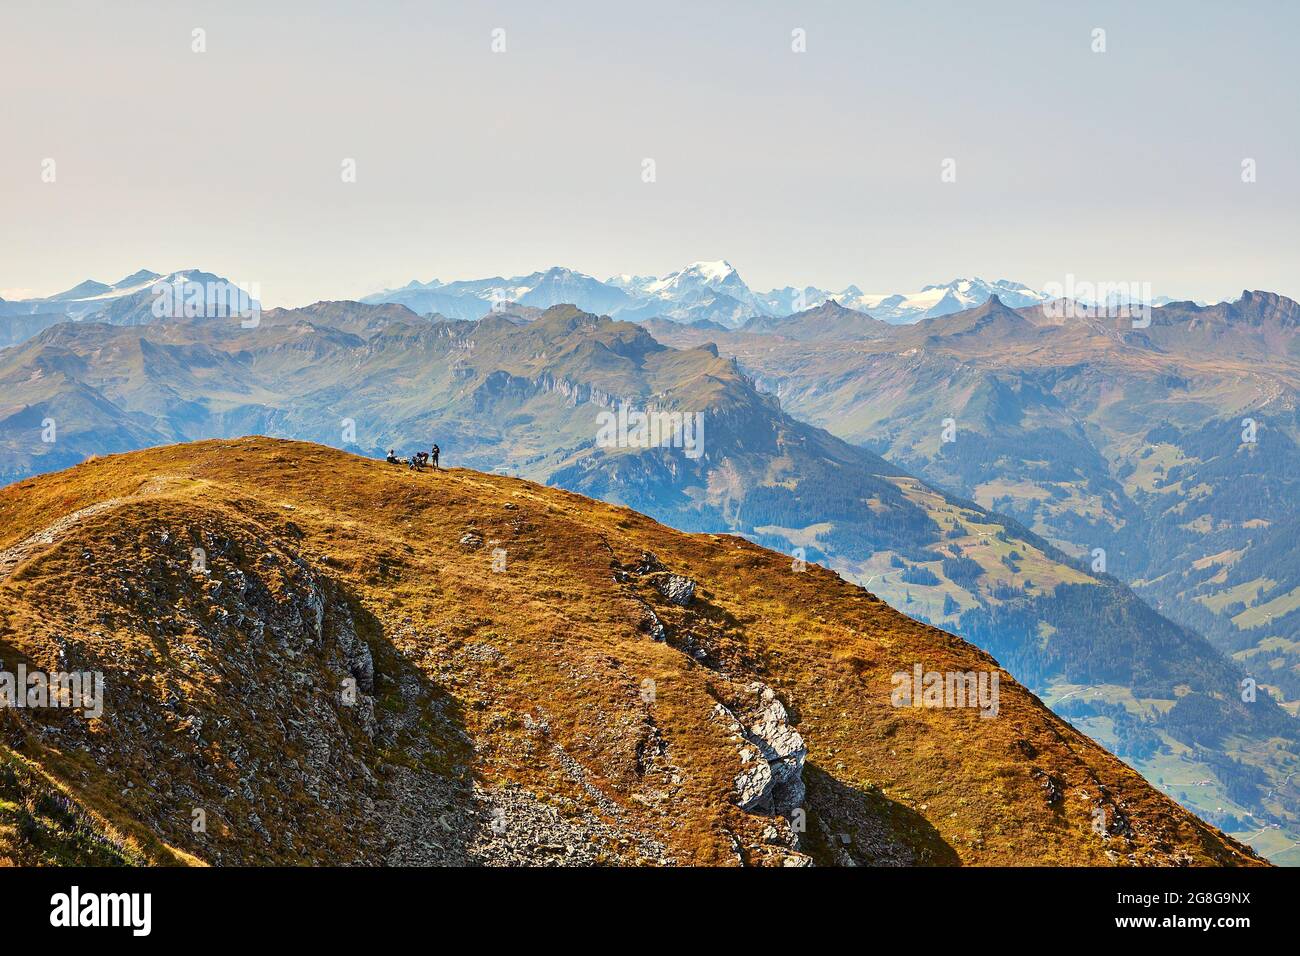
(820, 167)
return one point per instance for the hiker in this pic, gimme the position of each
(420, 459)
(435, 451)
(392, 458)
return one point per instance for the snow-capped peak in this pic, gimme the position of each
(707, 289)
(716, 271)
(718, 275)
(903, 307)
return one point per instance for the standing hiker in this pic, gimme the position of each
(434, 451)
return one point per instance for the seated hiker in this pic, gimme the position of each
(392, 458)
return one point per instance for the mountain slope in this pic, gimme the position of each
(828, 322)
(1129, 446)
(526, 397)
(575, 706)
(1096, 434)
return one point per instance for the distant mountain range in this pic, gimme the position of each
(129, 301)
(702, 292)
(1092, 432)
(709, 293)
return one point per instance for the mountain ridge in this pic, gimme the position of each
(498, 715)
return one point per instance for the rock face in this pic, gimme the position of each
(677, 589)
(753, 788)
(772, 752)
(780, 744)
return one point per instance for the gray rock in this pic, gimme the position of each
(677, 589)
(772, 753)
(781, 745)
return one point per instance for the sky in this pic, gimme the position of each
(823, 167)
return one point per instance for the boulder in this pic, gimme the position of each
(676, 589)
(772, 752)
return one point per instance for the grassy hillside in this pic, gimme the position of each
(567, 707)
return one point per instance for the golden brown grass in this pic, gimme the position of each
(567, 649)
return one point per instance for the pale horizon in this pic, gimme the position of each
(821, 167)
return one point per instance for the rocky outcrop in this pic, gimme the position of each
(772, 752)
(753, 787)
(676, 589)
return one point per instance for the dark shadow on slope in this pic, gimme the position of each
(848, 825)
(425, 811)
